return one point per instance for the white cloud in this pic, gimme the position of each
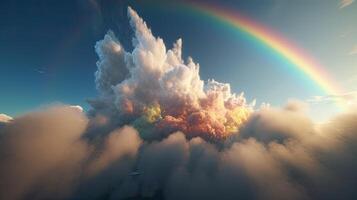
(5, 118)
(77, 107)
(345, 3)
(153, 83)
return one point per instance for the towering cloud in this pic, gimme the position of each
(158, 132)
(154, 89)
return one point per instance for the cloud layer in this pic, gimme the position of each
(279, 154)
(128, 147)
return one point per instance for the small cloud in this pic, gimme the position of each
(350, 80)
(353, 51)
(264, 106)
(5, 118)
(77, 107)
(40, 71)
(345, 3)
(345, 34)
(296, 106)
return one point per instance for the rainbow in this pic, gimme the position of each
(270, 39)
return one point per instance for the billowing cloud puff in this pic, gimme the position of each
(138, 143)
(153, 89)
(43, 155)
(34, 144)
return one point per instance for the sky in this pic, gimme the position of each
(107, 99)
(47, 48)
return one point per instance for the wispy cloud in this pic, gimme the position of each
(345, 34)
(351, 80)
(348, 98)
(345, 3)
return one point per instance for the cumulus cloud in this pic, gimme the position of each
(345, 3)
(115, 152)
(155, 90)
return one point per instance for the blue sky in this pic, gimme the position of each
(47, 47)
